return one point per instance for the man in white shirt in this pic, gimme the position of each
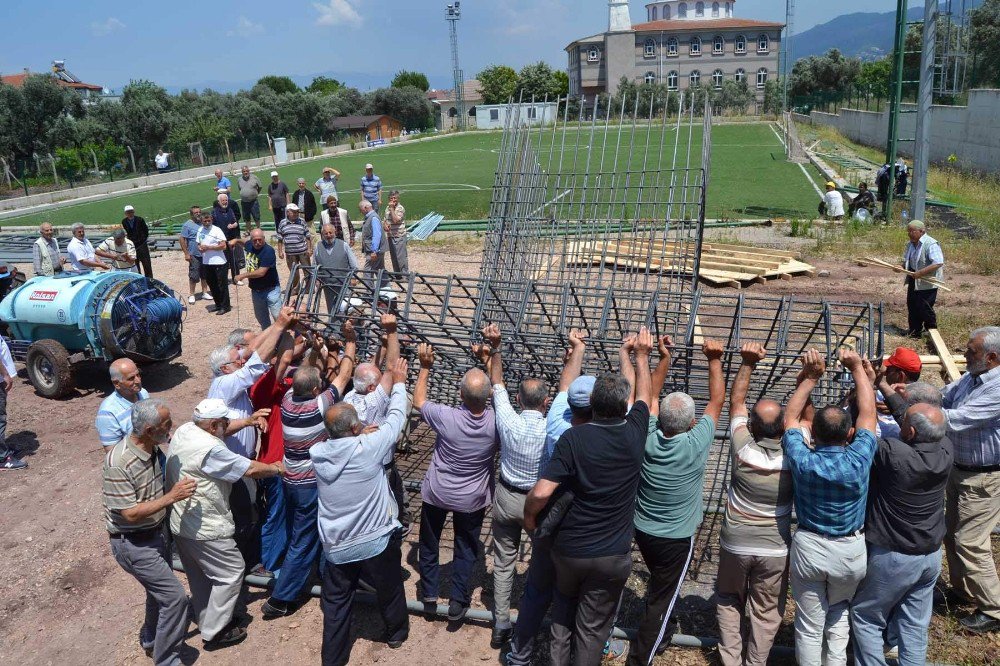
(119, 250)
(833, 203)
(81, 253)
(162, 160)
(212, 243)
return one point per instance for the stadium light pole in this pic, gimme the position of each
(452, 14)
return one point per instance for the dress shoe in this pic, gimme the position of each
(273, 608)
(456, 611)
(980, 623)
(227, 637)
(500, 637)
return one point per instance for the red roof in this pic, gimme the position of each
(707, 25)
(17, 80)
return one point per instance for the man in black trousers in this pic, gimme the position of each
(137, 231)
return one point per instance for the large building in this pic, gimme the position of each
(680, 44)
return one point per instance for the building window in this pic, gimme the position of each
(741, 44)
(729, 9)
(694, 78)
(650, 48)
(666, 12)
(672, 46)
(672, 80)
(699, 9)
(715, 10)
(761, 77)
(593, 54)
(717, 78)
(741, 75)
(652, 14)
(494, 114)
(650, 78)
(682, 10)
(532, 113)
(718, 43)
(762, 44)
(695, 46)
(452, 112)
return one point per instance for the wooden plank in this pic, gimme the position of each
(726, 266)
(791, 254)
(747, 260)
(720, 282)
(945, 354)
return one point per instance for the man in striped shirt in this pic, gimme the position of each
(114, 416)
(294, 240)
(135, 507)
(302, 412)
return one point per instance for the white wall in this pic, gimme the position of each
(545, 113)
(971, 133)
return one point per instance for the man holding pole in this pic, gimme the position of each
(923, 259)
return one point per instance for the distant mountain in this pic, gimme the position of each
(363, 81)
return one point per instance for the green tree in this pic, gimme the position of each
(536, 81)
(404, 78)
(29, 114)
(409, 105)
(561, 84)
(324, 86)
(773, 97)
(874, 77)
(734, 96)
(68, 163)
(830, 73)
(984, 24)
(146, 115)
(279, 84)
(499, 82)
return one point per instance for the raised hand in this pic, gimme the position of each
(850, 359)
(491, 333)
(643, 342)
(577, 340)
(752, 353)
(482, 352)
(425, 353)
(869, 370)
(665, 344)
(347, 330)
(399, 371)
(389, 323)
(712, 349)
(813, 365)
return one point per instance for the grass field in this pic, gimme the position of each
(454, 176)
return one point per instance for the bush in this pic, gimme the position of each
(68, 163)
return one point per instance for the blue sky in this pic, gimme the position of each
(196, 43)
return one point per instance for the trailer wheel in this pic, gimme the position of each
(49, 369)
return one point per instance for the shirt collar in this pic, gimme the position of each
(987, 377)
(136, 451)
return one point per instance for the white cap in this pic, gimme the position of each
(369, 166)
(211, 408)
(128, 208)
(291, 206)
(273, 174)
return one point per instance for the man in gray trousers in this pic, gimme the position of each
(333, 258)
(373, 242)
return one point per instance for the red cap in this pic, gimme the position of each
(905, 359)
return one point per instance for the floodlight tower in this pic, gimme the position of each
(452, 14)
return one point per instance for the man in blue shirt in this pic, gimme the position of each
(830, 482)
(372, 241)
(371, 187)
(192, 255)
(261, 272)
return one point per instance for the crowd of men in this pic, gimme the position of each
(289, 463)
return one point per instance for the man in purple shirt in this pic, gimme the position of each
(459, 480)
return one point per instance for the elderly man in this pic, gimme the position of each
(972, 409)
(277, 197)
(334, 215)
(135, 509)
(211, 242)
(192, 255)
(302, 410)
(357, 524)
(832, 205)
(305, 200)
(294, 239)
(395, 228)
(901, 368)
(46, 258)
(222, 184)
(522, 446)
(162, 161)
(459, 480)
(138, 232)
(8, 459)
(372, 242)
(904, 528)
(261, 272)
(114, 416)
(119, 250)
(756, 528)
(203, 525)
(82, 256)
(830, 483)
(600, 463)
(371, 187)
(334, 259)
(668, 508)
(923, 258)
(225, 217)
(327, 184)
(250, 188)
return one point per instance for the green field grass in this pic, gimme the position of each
(454, 176)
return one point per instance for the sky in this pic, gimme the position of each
(191, 43)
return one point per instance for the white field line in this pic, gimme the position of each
(804, 172)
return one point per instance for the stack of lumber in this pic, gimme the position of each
(720, 265)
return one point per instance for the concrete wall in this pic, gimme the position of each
(545, 114)
(971, 133)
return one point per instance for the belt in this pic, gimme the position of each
(827, 535)
(511, 487)
(147, 533)
(978, 470)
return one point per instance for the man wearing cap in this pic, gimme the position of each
(371, 187)
(119, 250)
(203, 524)
(250, 187)
(138, 232)
(327, 184)
(832, 205)
(339, 218)
(372, 241)
(923, 258)
(294, 239)
(903, 367)
(277, 197)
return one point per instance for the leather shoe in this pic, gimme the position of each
(980, 623)
(500, 637)
(456, 611)
(230, 636)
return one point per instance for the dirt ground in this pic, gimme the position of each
(63, 599)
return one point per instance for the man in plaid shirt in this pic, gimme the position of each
(830, 481)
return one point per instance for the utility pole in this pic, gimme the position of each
(895, 100)
(925, 98)
(787, 51)
(453, 14)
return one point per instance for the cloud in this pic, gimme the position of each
(107, 27)
(337, 12)
(246, 28)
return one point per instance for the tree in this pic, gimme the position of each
(734, 96)
(279, 84)
(536, 81)
(498, 84)
(874, 78)
(773, 97)
(68, 163)
(29, 114)
(324, 86)
(409, 105)
(561, 80)
(404, 78)
(830, 73)
(984, 24)
(146, 115)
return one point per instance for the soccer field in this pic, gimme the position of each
(454, 176)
